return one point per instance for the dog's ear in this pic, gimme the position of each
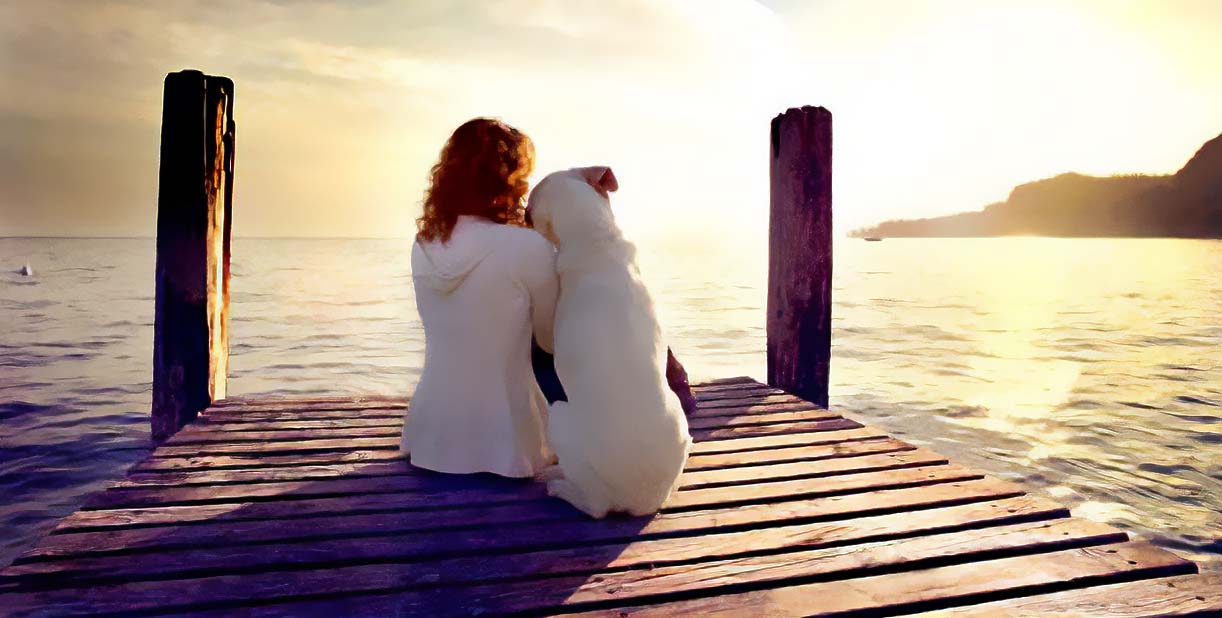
(601, 178)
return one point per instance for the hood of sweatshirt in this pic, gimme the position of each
(445, 266)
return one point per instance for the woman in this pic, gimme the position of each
(484, 284)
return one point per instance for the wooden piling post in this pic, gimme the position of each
(800, 253)
(194, 209)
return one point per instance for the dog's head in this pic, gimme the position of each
(574, 205)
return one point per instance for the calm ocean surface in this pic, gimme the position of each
(1088, 370)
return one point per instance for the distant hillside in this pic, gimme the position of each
(1187, 204)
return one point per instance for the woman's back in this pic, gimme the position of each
(481, 295)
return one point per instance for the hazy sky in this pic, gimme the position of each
(940, 106)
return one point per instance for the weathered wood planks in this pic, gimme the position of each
(780, 512)
(913, 590)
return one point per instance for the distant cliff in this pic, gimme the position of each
(1187, 204)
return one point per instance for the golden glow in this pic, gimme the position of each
(342, 107)
(1034, 337)
(943, 107)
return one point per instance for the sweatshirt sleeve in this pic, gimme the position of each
(543, 285)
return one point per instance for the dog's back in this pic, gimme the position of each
(622, 438)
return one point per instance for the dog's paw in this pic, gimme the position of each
(569, 492)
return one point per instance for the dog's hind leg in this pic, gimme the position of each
(572, 493)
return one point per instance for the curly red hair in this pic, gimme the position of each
(482, 172)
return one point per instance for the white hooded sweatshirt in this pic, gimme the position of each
(477, 407)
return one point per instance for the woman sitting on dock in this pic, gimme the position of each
(484, 284)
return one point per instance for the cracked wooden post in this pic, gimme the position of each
(800, 253)
(194, 209)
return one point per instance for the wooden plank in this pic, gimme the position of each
(578, 531)
(394, 467)
(248, 403)
(810, 469)
(283, 402)
(715, 392)
(705, 429)
(419, 490)
(703, 461)
(923, 589)
(716, 382)
(726, 433)
(208, 437)
(281, 514)
(798, 488)
(737, 392)
(285, 513)
(321, 410)
(724, 452)
(292, 431)
(723, 407)
(292, 419)
(758, 408)
(128, 495)
(784, 441)
(239, 401)
(762, 417)
(1184, 595)
(397, 467)
(221, 462)
(783, 398)
(234, 526)
(213, 417)
(277, 448)
(676, 566)
(352, 402)
(212, 424)
(213, 429)
(271, 445)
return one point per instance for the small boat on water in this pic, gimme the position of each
(872, 239)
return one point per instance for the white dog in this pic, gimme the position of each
(621, 437)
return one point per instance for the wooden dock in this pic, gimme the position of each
(304, 508)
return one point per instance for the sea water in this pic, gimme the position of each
(1088, 370)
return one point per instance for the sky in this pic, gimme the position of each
(342, 106)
